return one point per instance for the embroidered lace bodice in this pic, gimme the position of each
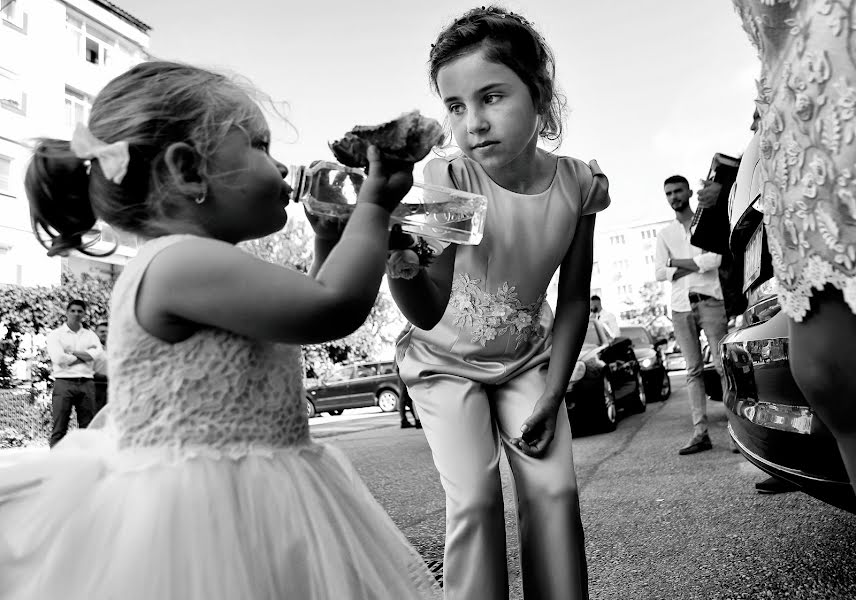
(807, 102)
(214, 390)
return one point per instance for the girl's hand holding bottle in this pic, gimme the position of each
(386, 184)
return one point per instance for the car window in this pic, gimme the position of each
(387, 368)
(341, 374)
(637, 335)
(366, 370)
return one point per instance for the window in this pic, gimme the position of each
(621, 265)
(12, 95)
(625, 289)
(86, 43)
(13, 14)
(649, 259)
(77, 107)
(616, 240)
(366, 371)
(5, 175)
(649, 234)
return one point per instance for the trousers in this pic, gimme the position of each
(709, 316)
(68, 393)
(467, 424)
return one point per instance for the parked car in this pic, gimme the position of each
(354, 386)
(606, 378)
(768, 417)
(649, 354)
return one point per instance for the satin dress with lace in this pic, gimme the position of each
(204, 485)
(807, 102)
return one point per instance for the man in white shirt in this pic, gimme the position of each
(696, 302)
(100, 368)
(73, 350)
(606, 318)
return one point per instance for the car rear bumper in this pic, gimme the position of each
(770, 420)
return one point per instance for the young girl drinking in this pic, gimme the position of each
(210, 487)
(486, 363)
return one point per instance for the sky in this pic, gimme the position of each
(654, 87)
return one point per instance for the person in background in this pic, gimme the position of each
(696, 302)
(100, 376)
(606, 318)
(73, 350)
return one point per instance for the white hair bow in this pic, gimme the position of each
(112, 158)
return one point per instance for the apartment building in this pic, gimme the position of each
(623, 271)
(55, 55)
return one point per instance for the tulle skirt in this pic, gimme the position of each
(90, 522)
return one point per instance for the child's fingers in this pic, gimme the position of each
(375, 165)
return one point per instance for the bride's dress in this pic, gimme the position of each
(204, 485)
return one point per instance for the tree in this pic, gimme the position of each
(650, 304)
(293, 247)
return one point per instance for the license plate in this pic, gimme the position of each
(752, 258)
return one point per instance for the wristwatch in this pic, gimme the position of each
(669, 262)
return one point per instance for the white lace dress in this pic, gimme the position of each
(205, 485)
(807, 102)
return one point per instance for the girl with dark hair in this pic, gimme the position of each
(205, 485)
(486, 363)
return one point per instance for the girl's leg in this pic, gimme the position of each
(552, 548)
(823, 361)
(455, 415)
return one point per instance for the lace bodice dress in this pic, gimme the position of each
(203, 484)
(215, 391)
(807, 102)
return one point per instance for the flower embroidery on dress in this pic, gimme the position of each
(492, 315)
(807, 102)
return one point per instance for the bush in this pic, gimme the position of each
(25, 419)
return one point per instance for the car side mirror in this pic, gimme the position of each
(660, 342)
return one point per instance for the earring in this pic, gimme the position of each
(200, 198)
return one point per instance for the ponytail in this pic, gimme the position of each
(57, 186)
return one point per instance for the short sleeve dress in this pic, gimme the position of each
(807, 103)
(497, 323)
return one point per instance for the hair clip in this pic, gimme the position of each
(113, 158)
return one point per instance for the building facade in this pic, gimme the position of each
(623, 271)
(55, 56)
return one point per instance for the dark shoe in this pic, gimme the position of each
(697, 444)
(774, 485)
(405, 424)
(418, 424)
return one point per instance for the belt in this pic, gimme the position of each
(75, 379)
(696, 298)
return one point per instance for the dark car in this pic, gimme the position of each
(605, 378)
(651, 360)
(768, 417)
(354, 386)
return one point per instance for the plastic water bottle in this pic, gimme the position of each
(330, 190)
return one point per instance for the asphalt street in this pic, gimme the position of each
(658, 525)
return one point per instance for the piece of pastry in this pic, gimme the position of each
(409, 138)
